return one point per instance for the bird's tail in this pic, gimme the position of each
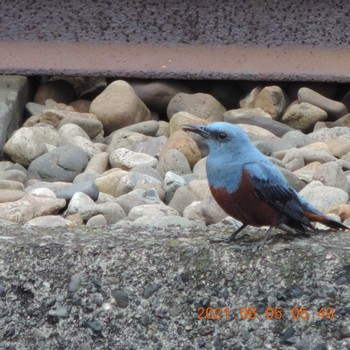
(325, 220)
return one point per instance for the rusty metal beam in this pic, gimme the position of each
(176, 61)
(206, 39)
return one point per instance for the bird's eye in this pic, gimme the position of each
(222, 135)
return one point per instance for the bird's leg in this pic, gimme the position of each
(229, 239)
(260, 245)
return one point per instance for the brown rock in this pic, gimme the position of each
(11, 195)
(98, 164)
(333, 108)
(200, 188)
(181, 141)
(82, 106)
(87, 121)
(272, 100)
(303, 116)
(242, 112)
(181, 118)
(60, 91)
(201, 105)
(207, 211)
(342, 210)
(338, 147)
(118, 106)
(157, 94)
(249, 100)
(109, 180)
(29, 207)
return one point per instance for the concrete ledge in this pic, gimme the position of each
(139, 288)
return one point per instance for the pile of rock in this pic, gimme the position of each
(111, 157)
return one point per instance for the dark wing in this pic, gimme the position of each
(271, 186)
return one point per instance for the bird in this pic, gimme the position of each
(250, 188)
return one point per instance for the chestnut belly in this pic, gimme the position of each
(245, 205)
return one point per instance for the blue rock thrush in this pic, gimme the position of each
(250, 188)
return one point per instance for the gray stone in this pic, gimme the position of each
(201, 105)
(200, 170)
(62, 164)
(11, 185)
(43, 192)
(277, 128)
(207, 211)
(338, 132)
(304, 156)
(331, 174)
(171, 183)
(88, 188)
(152, 146)
(164, 221)
(147, 170)
(132, 179)
(49, 221)
(155, 210)
(182, 198)
(121, 297)
(137, 197)
(96, 221)
(83, 205)
(127, 139)
(34, 109)
(88, 147)
(85, 177)
(86, 121)
(68, 131)
(75, 282)
(292, 179)
(297, 138)
(53, 186)
(175, 161)
(14, 94)
(13, 175)
(323, 197)
(148, 128)
(24, 146)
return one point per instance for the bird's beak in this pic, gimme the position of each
(198, 129)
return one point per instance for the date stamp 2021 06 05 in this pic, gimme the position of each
(270, 313)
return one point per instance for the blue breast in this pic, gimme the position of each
(224, 175)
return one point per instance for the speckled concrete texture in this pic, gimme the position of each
(244, 22)
(136, 288)
(249, 40)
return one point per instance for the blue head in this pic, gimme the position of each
(224, 138)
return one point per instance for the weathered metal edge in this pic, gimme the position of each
(176, 61)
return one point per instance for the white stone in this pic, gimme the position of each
(126, 159)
